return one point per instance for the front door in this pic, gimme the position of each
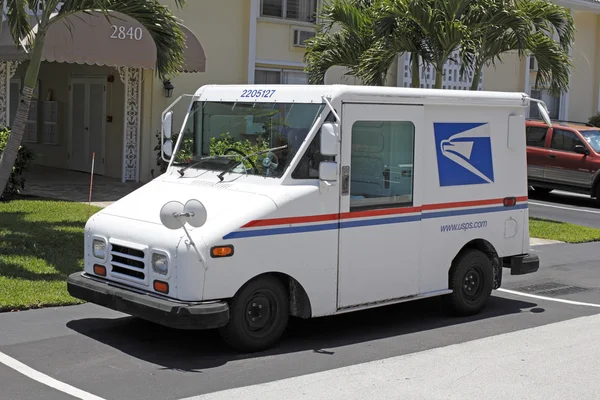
(87, 124)
(380, 206)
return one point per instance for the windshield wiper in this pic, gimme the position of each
(182, 170)
(248, 156)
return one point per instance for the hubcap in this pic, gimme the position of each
(472, 283)
(260, 311)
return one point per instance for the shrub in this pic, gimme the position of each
(595, 120)
(217, 146)
(16, 181)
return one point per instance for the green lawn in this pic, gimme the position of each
(570, 233)
(41, 243)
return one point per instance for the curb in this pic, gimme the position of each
(542, 242)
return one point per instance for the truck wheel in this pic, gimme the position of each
(258, 315)
(471, 279)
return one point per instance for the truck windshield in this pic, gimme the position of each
(219, 134)
(593, 138)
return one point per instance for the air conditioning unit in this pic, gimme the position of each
(301, 35)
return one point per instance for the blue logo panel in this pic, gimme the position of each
(464, 153)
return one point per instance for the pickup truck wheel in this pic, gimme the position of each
(471, 279)
(258, 315)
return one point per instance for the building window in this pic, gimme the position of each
(297, 10)
(277, 76)
(552, 102)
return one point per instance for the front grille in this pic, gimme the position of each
(128, 261)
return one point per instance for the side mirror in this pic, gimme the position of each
(330, 133)
(167, 125)
(581, 149)
(544, 113)
(166, 132)
(328, 171)
(167, 148)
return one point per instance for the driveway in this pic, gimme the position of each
(113, 356)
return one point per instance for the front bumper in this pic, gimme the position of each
(522, 264)
(161, 311)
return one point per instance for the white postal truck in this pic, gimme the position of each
(309, 200)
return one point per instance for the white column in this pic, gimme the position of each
(132, 78)
(4, 92)
(527, 88)
(7, 71)
(254, 11)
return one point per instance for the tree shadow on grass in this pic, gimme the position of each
(56, 243)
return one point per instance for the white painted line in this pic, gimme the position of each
(535, 296)
(564, 208)
(45, 379)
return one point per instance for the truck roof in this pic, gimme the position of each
(282, 93)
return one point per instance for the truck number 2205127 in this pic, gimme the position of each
(258, 93)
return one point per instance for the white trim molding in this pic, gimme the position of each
(290, 64)
(254, 13)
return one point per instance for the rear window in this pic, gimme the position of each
(536, 136)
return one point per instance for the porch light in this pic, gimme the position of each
(168, 88)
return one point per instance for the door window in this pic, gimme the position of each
(381, 166)
(564, 140)
(536, 136)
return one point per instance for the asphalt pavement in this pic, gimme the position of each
(565, 207)
(113, 356)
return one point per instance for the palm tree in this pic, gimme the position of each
(431, 30)
(527, 26)
(396, 25)
(160, 22)
(355, 34)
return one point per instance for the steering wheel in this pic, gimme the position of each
(270, 162)
(242, 154)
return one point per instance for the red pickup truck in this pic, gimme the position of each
(564, 157)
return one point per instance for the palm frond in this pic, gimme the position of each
(18, 19)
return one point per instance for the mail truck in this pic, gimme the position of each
(306, 201)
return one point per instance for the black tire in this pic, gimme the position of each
(258, 315)
(542, 190)
(471, 279)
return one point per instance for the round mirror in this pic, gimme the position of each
(198, 211)
(167, 217)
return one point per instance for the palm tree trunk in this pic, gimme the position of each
(439, 77)
(476, 77)
(9, 155)
(415, 71)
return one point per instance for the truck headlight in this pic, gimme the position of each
(160, 263)
(99, 248)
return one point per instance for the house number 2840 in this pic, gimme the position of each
(122, 33)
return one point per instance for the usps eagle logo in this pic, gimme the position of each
(464, 153)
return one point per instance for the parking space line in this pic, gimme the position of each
(535, 296)
(564, 208)
(45, 379)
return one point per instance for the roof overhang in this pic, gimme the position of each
(580, 5)
(93, 39)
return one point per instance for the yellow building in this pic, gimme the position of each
(97, 91)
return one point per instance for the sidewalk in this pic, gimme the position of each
(556, 361)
